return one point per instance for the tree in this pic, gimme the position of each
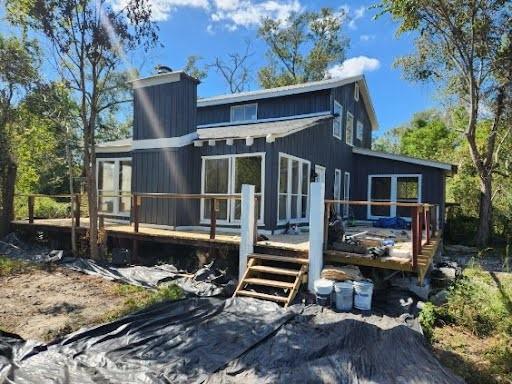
(235, 70)
(465, 46)
(89, 41)
(302, 47)
(192, 68)
(18, 71)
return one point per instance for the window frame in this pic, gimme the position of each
(335, 121)
(245, 105)
(356, 91)
(300, 194)
(393, 193)
(117, 168)
(359, 124)
(347, 127)
(231, 220)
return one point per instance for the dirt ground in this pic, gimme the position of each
(41, 305)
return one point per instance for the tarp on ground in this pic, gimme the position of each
(205, 282)
(209, 340)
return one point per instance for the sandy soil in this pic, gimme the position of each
(41, 305)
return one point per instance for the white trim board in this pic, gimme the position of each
(268, 120)
(293, 90)
(406, 159)
(167, 142)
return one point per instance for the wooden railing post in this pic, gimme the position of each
(414, 231)
(213, 217)
(326, 223)
(427, 223)
(420, 229)
(77, 210)
(31, 209)
(135, 203)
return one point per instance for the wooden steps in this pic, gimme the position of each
(283, 273)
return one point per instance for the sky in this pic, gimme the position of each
(214, 28)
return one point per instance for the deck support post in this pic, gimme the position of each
(31, 209)
(247, 229)
(76, 209)
(427, 223)
(316, 233)
(213, 217)
(414, 232)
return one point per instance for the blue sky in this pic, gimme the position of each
(211, 28)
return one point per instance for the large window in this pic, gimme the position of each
(114, 186)
(225, 175)
(336, 123)
(349, 129)
(244, 112)
(293, 189)
(359, 130)
(393, 188)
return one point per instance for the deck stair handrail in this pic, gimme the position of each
(422, 219)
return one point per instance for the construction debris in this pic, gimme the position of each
(348, 272)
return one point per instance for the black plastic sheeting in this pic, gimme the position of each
(205, 282)
(209, 340)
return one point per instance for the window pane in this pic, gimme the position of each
(237, 113)
(337, 120)
(349, 130)
(407, 189)
(124, 204)
(222, 205)
(248, 171)
(106, 204)
(106, 176)
(283, 175)
(295, 176)
(380, 211)
(304, 209)
(125, 176)
(282, 207)
(250, 112)
(305, 178)
(294, 213)
(381, 188)
(359, 133)
(216, 175)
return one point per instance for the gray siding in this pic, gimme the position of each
(167, 171)
(165, 110)
(274, 107)
(433, 179)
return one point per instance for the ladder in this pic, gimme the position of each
(285, 274)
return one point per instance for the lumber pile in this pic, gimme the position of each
(347, 272)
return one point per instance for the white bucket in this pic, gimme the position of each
(363, 291)
(344, 295)
(323, 291)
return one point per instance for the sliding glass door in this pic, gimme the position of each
(293, 192)
(225, 175)
(394, 189)
(114, 180)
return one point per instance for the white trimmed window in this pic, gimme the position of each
(114, 180)
(356, 92)
(224, 175)
(293, 189)
(393, 188)
(349, 129)
(337, 121)
(244, 112)
(359, 130)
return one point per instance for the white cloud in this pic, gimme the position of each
(161, 9)
(354, 66)
(227, 4)
(367, 37)
(354, 15)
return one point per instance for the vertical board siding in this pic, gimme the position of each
(273, 107)
(432, 185)
(172, 106)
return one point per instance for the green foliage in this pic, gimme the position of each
(10, 266)
(302, 47)
(480, 302)
(44, 207)
(139, 298)
(192, 68)
(428, 318)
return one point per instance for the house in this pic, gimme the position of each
(277, 139)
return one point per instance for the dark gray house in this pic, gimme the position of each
(277, 139)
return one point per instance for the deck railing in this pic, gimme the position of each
(422, 219)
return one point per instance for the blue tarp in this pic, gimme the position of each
(392, 222)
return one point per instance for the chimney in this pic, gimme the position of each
(164, 105)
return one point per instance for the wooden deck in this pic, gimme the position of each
(281, 245)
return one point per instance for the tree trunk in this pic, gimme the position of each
(8, 180)
(92, 198)
(484, 227)
(74, 205)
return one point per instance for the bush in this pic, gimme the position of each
(44, 208)
(428, 319)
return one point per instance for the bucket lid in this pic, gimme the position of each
(343, 285)
(363, 283)
(323, 286)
